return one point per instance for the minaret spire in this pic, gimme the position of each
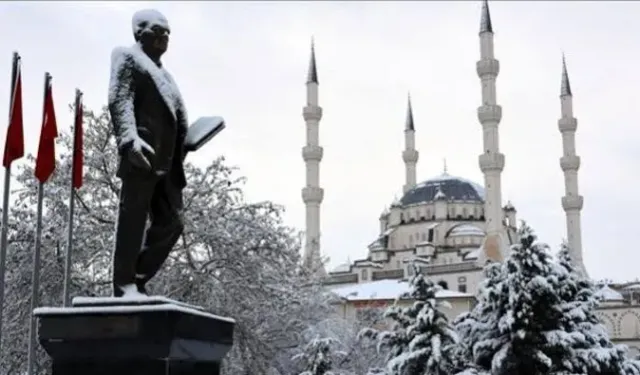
(565, 86)
(312, 75)
(409, 155)
(491, 160)
(572, 201)
(312, 193)
(485, 18)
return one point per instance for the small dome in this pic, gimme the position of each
(466, 230)
(609, 295)
(454, 188)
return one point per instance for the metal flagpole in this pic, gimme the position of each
(35, 282)
(35, 287)
(67, 263)
(5, 200)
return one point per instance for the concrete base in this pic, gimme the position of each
(151, 336)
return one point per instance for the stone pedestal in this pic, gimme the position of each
(151, 336)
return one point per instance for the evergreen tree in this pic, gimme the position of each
(536, 317)
(421, 339)
(589, 350)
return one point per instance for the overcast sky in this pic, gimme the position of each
(247, 61)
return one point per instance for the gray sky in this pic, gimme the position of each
(247, 61)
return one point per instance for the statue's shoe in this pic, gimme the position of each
(128, 291)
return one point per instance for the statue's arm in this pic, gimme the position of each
(122, 87)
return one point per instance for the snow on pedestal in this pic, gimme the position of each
(149, 336)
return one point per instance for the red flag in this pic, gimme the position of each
(46, 161)
(14, 143)
(77, 143)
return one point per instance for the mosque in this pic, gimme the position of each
(450, 226)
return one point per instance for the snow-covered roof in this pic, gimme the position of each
(466, 230)
(385, 290)
(632, 286)
(609, 294)
(368, 263)
(344, 267)
(473, 254)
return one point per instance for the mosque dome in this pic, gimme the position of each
(452, 187)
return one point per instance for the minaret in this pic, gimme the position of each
(312, 193)
(409, 155)
(491, 160)
(570, 163)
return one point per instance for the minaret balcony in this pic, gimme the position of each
(572, 202)
(570, 163)
(312, 153)
(491, 162)
(312, 112)
(312, 194)
(489, 114)
(410, 156)
(488, 67)
(567, 124)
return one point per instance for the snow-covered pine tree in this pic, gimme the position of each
(421, 338)
(533, 318)
(481, 321)
(586, 343)
(318, 356)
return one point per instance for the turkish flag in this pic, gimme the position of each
(46, 160)
(14, 143)
(77, 143)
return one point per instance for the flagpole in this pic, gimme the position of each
(35, 288)
(35, 283)
(5, 199)
(67, 263)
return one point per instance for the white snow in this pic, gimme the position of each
(149, 16)
(126, 58)
(131, 292)
(474, 254)
(140, 300)
(439, 194)
(125, 310)
(466, 230)
(609, 294)
(385, 290)
(203, 130)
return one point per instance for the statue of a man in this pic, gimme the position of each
(150, 124)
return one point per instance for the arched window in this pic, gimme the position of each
(364, 274)
(443, 284)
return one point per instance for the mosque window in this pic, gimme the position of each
(430, 239)
(428, 213)
(401, 218)
(364, 274)
(465, 213)
(443, 284)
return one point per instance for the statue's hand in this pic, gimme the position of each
(136, 154)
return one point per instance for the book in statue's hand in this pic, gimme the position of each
(201, 132)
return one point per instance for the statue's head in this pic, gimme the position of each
(151, 31)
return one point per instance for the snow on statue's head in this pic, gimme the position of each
(151, 29)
